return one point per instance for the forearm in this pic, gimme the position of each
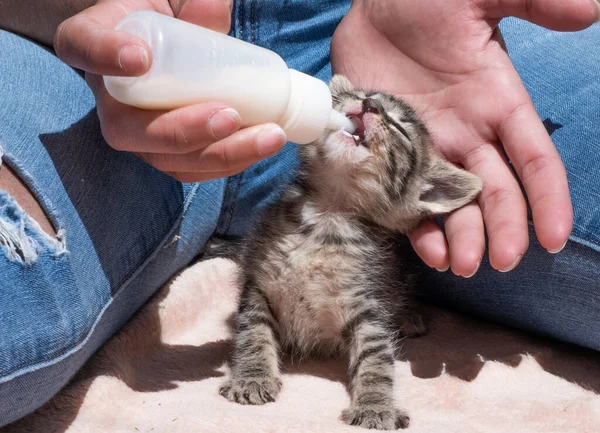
(38, 19)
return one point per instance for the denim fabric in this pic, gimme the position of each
(62, 298)
(125, 228)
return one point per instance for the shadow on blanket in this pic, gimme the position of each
(455, 345)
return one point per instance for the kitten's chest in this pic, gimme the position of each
(313, 286)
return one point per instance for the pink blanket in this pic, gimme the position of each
(161, 374)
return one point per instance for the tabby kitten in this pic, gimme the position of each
(325, 271)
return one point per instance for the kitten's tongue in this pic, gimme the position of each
(360, 126)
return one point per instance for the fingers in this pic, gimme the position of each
(565, 15)
(466, 242)
(542, 173)
(429, 243)
(466, 239)
(179, 131)
(176, 132)
(199, 141)
(503, 207)
(87, 41)
(232, 154)
(193, 143)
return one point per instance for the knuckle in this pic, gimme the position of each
(111, 133)
(508, 227)
(496, 197)
(61, 38)
(536, 165)
(223, 157)
(172, 133)
(91, 53)
(112, 122)
(88, 54)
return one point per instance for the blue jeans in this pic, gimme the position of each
(124, 228)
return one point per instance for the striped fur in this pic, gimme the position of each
(327, 271)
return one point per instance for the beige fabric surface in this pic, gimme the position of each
(161, 374)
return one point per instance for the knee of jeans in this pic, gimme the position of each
(25, 229)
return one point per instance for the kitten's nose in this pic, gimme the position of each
(371, 106)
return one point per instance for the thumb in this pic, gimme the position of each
(563, 15)
(212, 14)
(89, 42)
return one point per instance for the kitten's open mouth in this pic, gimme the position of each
(359, 133)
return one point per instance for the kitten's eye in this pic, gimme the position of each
(370, 106)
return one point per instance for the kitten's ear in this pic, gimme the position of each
(340, 84)
(446, 187)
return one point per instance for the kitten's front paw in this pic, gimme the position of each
(257, 390)
(375, 417)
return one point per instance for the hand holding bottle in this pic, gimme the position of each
(193, 143)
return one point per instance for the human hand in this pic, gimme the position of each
(193, 143)
(447, 58)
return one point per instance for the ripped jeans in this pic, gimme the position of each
(123, 229)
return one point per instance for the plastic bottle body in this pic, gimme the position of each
(192, 64)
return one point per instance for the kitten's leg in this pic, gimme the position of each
(255, 369)
(371, 375)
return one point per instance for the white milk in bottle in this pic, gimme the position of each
(192, 64)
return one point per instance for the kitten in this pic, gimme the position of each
(325, 271)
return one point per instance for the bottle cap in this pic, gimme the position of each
(308, 110)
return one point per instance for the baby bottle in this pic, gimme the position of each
(192, 64)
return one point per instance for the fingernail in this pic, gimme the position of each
(270, 139)
(513, 265)
(475, 271)
(558, 250)
(598, 17)
(443, 269)
(224, 123)
(133, 59)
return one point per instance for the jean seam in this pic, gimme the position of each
(585, 238)
(241, 19)
(252, 21)
(233, 201)
(180, 214)
(233, 186)
(147, 260)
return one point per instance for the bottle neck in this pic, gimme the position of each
(308, 110)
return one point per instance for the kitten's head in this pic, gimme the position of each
(387, 166)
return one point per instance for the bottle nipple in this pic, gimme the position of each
(339, 121)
